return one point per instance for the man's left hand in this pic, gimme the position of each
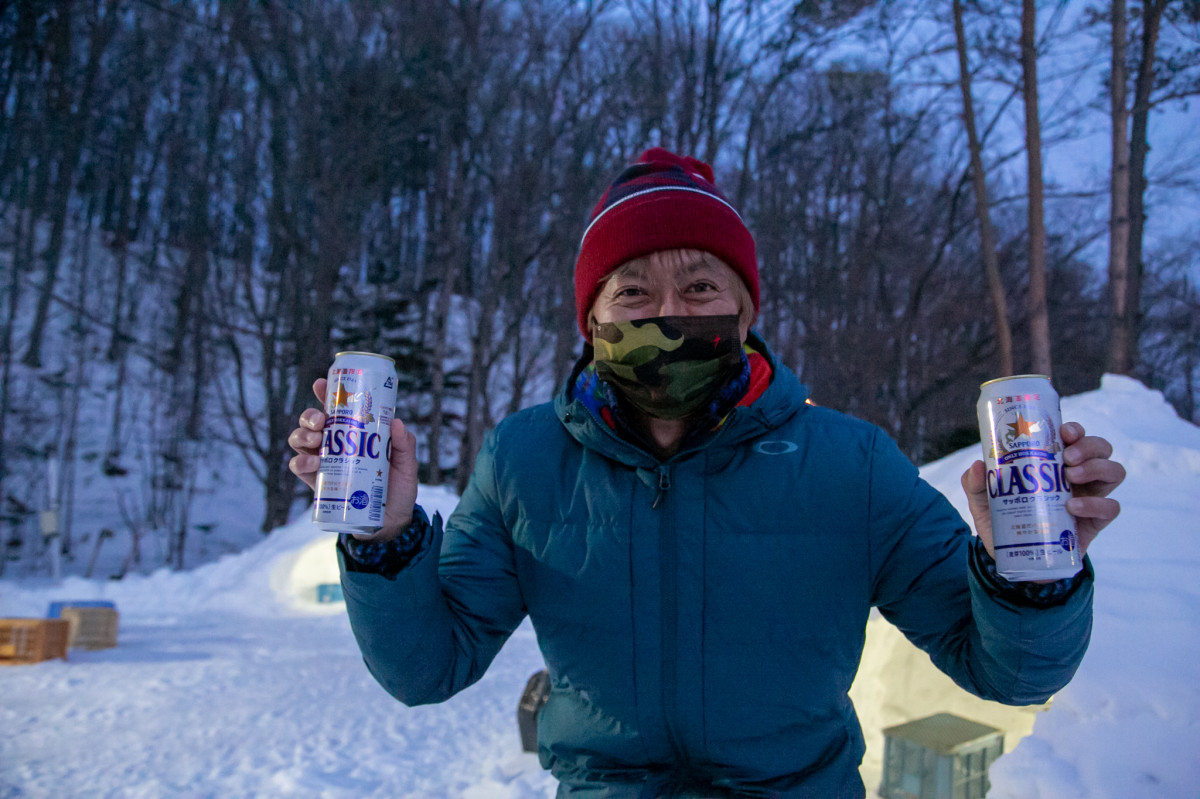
(1093, 476)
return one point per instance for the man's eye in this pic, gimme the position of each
(629, 291)
(703, 286)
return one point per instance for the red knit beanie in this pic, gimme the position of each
(661, 202)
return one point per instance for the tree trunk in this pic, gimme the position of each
(278, 482)
(987, 235)
(123, 334)
(1189, 362)
(441, 322)
(481, 353)
(52, 256)
(1120, 359)
(12, 302)
(1139, 147)
(67, 450)
(566, 330)
(445, 237)
(1039, 316)
(71, 114)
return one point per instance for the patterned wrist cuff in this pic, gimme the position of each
(389, 557)
(1038, 595)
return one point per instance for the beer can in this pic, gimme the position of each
(1034, 535)
(360, 400)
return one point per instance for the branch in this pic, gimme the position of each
(1182, 94)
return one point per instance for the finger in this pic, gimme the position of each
(404, 443)
(1101, 510)
(974, 487)
(1096, 477)
(403, 462)
(402, 479)
(972, 479)
(313, 419)
(1087, 448)
(305, 467)
(319, 389)
(1071, 432)
(305, 442)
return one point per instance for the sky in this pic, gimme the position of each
(1074, 110)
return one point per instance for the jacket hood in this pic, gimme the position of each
(783, 398)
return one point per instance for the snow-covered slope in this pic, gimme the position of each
(233, 680)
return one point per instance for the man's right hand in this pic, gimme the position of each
(402, 467)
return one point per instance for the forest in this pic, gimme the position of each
(202, 201)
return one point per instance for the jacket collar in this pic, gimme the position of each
(782, 399)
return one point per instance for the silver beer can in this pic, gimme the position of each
(1034, 535)
(360, 400)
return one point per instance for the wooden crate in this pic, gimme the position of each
(32, 640)
(91, 627)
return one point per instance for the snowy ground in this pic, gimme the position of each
(231, 680)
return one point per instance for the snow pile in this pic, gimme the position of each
(234, 680)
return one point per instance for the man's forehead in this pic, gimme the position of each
(673, 264)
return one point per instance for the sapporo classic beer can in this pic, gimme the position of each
(1034, 535)
(360, 399)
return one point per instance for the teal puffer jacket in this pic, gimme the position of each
(702, 618)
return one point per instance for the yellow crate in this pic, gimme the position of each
(91, 628)
(32, 640)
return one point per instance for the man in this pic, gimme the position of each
(697, 548)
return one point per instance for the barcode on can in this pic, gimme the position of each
(377, 504)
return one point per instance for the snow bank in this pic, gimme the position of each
(277, 576)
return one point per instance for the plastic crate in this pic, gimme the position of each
(328, 593)
(56, 608)
(939, 757)
(91, 627)
(32, 640)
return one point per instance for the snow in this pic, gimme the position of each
(232, 679)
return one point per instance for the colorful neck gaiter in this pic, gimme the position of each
(669, 367)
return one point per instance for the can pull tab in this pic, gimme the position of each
(664, 485)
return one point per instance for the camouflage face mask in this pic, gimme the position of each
(669, 366)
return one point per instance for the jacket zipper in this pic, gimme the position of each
(664, 485)
(669, 616)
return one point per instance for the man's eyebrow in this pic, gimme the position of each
(699, 265)
(631, 271)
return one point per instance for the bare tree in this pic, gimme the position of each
(516, 161)
(1039, 315)
(328, 107)
(987, 235)
(1120, 352)
(70, 116)
(1126, 293)
(247, 185)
